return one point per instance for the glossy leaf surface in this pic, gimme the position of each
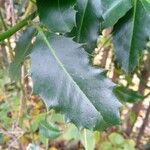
(130, 36)
(88, 23)
(66, 82)
(57, 15)
(113, 10)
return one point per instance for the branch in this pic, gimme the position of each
(2, 20)
(147, 95)
(8, 42)
(142, 129)
(17, 27)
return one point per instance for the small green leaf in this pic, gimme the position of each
(57, 15)
(128, 146)
(87, 139)
(127, 95)
(88, 23)
(71, 132)
(116, 139)
(113, 10)
(85, 136)
(106, 146)
(49, 130)
(36, 122)
(132, 117)
(22, 50)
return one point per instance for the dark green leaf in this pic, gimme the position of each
(63, 78)
(146, 4)
(57, 15)
(22, 50)
(88, 23)
(130, 36)
(127, 95)
(113, 10)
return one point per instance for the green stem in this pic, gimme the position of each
(29, 9)
(8, 41)
(17, 27)
(3, 23)
(47, 140)
(85, 139)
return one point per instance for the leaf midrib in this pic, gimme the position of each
(112, 7)
(81, 24)
(61, 65)
(64, 69)
(132, 34)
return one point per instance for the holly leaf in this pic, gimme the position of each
(88, 20)
(127, 95)
(22, 50)
(63, 78)
(113, 10)
(57, 15)
(130, 36)
(146, 4)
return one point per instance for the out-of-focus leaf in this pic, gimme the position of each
(132, 117)
(73, 133)
(116, 139)
(22, 50)
(106, 146)
(1, 138)
(36, 122)
(128, 146)
(49, 131)
(87, 138)
(57, 15)
(127, 95)
(33, 147)
(147, 146)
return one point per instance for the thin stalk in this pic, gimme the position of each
(142, 129)
(29, 9)
(8, 41)
(47, 140)
(3, 22)
(85, 139)
(23, 102)
(17, 27)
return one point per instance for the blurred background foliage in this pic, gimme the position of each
(26, 124)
